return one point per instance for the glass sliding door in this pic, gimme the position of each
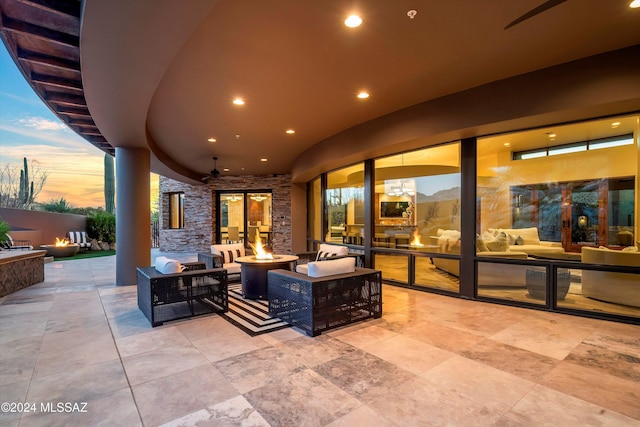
(621, 212)
(259, 214)
(578, 213)
(232, 224)
(244, 216)
(583, 218)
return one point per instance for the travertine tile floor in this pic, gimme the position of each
(430, 360)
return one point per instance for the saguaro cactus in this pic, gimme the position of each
(109, 184)
(25, 194)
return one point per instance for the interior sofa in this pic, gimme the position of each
(619, 288)
(512, 243)
(526, 240)
(497, 240)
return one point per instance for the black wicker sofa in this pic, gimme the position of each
(317, 304)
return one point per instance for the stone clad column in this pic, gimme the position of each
(133, 216)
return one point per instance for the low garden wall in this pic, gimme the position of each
(41, 227)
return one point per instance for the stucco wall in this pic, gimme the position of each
(598, 86)
(41, 227)
(199, 228)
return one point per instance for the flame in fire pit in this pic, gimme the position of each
(61, 242)
(416, 240)
(258, 249)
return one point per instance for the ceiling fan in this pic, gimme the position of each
(536, 10)
(215, 173)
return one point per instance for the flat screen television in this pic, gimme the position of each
(393, 209)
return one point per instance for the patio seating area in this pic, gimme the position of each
(430, 360)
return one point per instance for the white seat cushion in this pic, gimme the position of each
(302, 269)
(331, 267)
(232, 267)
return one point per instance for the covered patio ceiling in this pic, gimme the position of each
(163, 75)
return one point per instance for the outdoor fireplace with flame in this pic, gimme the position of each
(254, 268)
(61, 249)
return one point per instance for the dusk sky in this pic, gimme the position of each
(29, 129)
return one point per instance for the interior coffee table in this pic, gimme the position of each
(253, 273)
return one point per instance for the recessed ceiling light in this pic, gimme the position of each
(264, 159)
(634, 4)
(507, 144)
(616, 124)
(211, 140)
(290, 131)
(226, 169)
(551, 134)
(363, 95)
(353, 21)
(238, 101)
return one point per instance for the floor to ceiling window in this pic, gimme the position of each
(549, 202)
(344, 196)
(417, 217)
(556, 214)
(314, 210)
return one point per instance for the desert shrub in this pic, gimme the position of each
(4, 230)
(101, 226)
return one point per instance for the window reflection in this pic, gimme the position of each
(571, 208)
(176, 210)
(417, 204)
(345, 205)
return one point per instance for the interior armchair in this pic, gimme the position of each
(233, 234)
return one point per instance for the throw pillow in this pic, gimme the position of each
(500, 243)
(230, 255)
(481, 246)
(519, 241)
(488, 236)
(327, 250)
(322, 256)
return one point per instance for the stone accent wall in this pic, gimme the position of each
(20, 269)
(200, 211)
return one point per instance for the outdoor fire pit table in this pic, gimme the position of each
(61, 251)
(253, 273)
